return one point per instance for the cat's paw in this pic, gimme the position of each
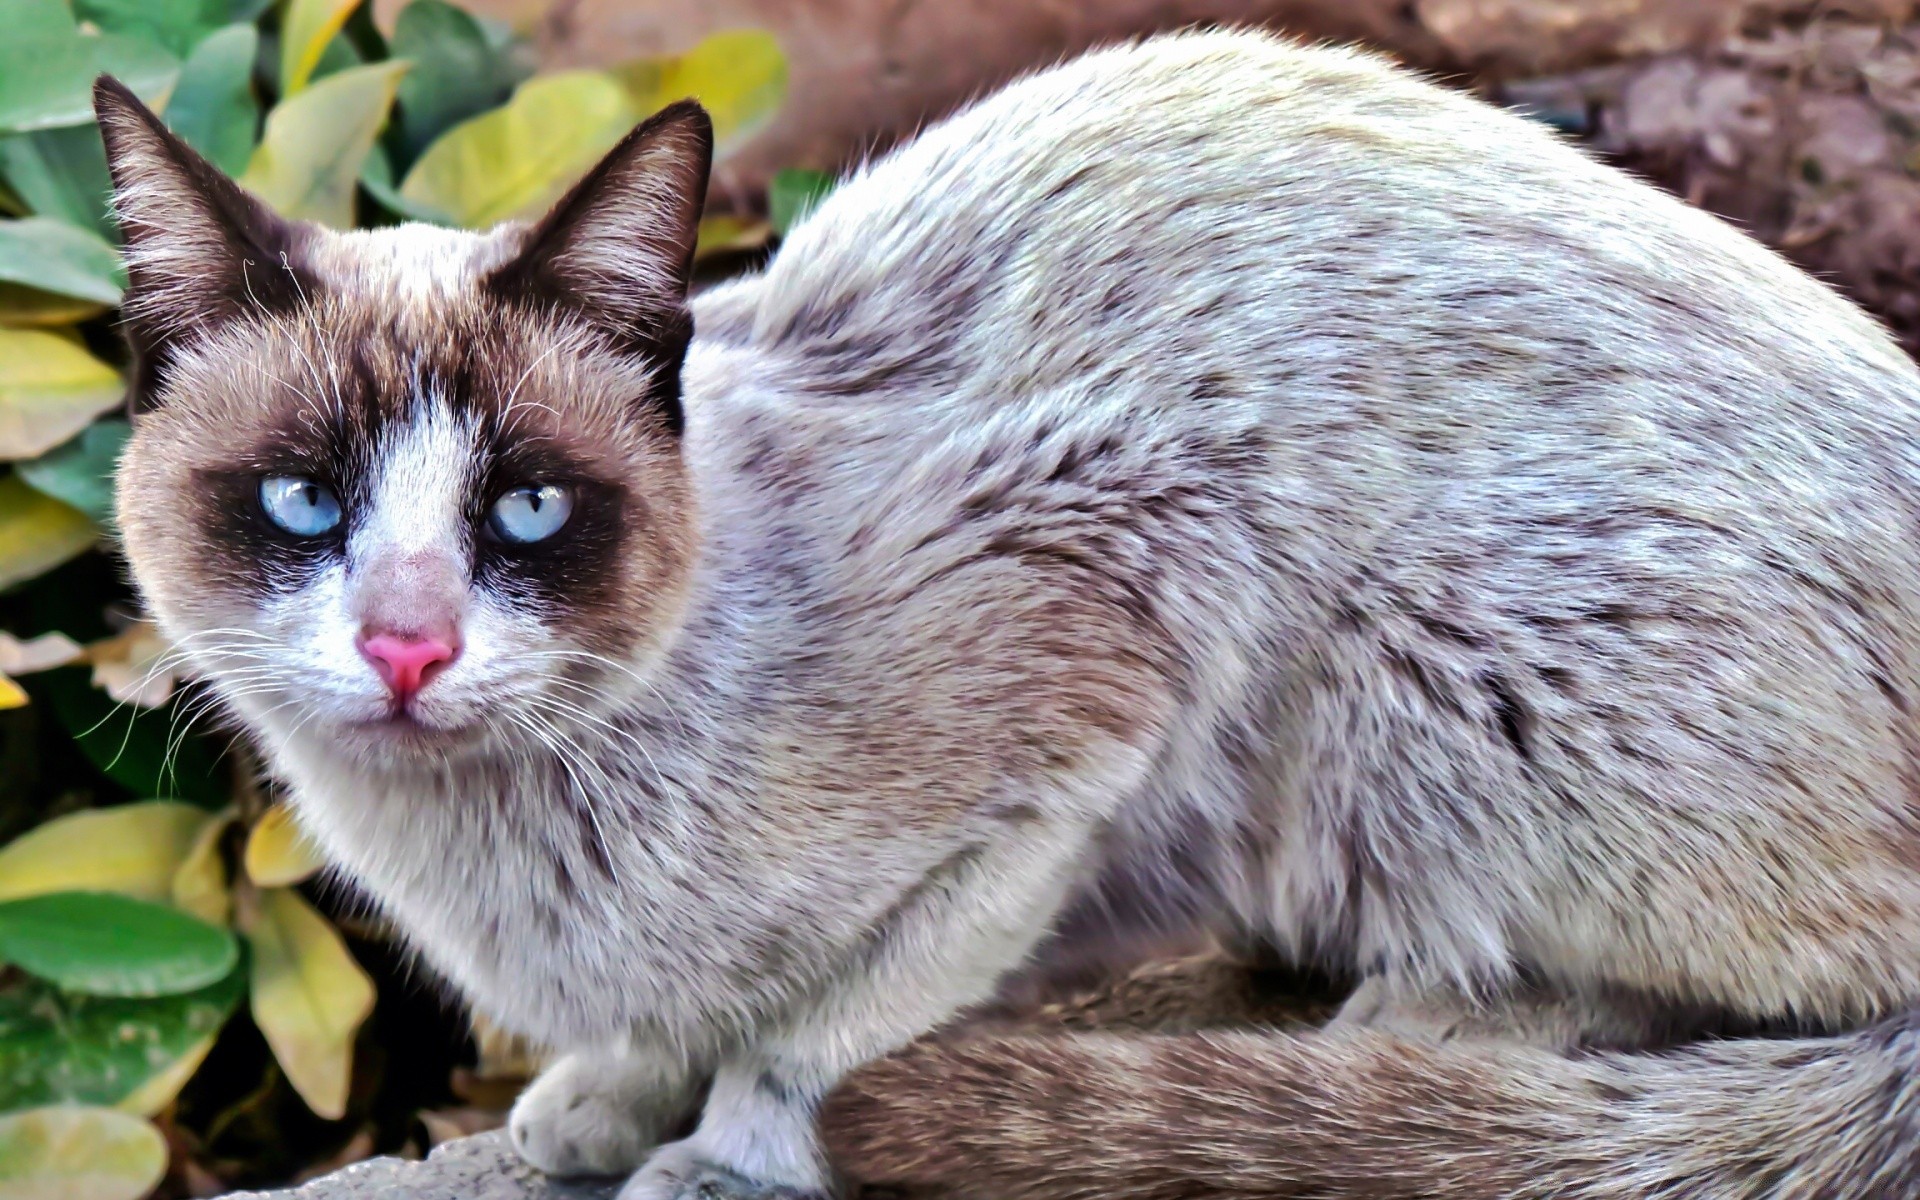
(678, 1171)
(594, 1115)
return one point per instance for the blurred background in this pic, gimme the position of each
(187, 1003)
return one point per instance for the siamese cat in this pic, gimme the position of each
(1213, 480)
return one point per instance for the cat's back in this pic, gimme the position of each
(1383, 293)
(1432, 459)
(1384, 321)
(1417, 339)
(1324, 212)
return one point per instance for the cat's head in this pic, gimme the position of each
(412, 488)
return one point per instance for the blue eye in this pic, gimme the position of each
(299, 505)
(530, 514)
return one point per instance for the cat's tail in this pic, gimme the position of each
(1357, 1113)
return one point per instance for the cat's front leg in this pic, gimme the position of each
(941, 950)
(757, 1141)
(602, 1111)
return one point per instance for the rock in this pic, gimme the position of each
(1805, 135)
(482, 1167)
(1157, 983)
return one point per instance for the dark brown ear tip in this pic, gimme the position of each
(689, 113)
(110, 95)
(124, 118)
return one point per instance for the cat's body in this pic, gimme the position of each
(1213, 478)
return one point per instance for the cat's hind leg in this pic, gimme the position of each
(1529, 1014)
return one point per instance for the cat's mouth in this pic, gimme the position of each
(404, 726)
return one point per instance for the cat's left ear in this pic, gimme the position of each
(200, 250)
(618, 248)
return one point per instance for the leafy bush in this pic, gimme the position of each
(149, 893)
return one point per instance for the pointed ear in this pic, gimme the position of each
(199, 249)
(618, 248)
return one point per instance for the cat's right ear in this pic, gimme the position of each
(200, 250)
(617, 250)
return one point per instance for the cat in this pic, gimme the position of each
(1215, 480)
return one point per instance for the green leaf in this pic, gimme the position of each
(37, 532)
(213, 106)
(316, 143)
(499, 34)
(50, 389)
(144, 67)
(740, 76)
(62, 173)
(309, 997)
(457, 72)
(793, 194)
(174, 24)
(60, 1047)
(81, 471)
(517, 159)
(51, 255)
(130, 744)
(36, 18)
(47, 66)
(305, 30)
(105, 944)
(40, 63)
(69, 1152)
(340, 54)
(377, 177)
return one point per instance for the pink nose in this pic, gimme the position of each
(405, 664)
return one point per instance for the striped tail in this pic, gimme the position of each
(1362, 1114)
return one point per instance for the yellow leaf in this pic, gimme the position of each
(516, 160)
(305, 29)
(25, 307)
(50, 389)
(278, 853)
(503, 1054)
(160, 1089)
(719, 235)
(740, 76)
(309, 157)
(72, 1152)
(200, 884)
(37, 532)
(128, 666)
(43, 653)
(309, 997)
(133, 849)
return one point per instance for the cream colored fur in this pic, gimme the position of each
(1246, 480)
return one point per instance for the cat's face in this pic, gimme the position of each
(411, 489)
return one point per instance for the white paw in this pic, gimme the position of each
(594, 1115)
(678, 1171)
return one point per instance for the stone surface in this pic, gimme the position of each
(482, 1167)
(1167, 984)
